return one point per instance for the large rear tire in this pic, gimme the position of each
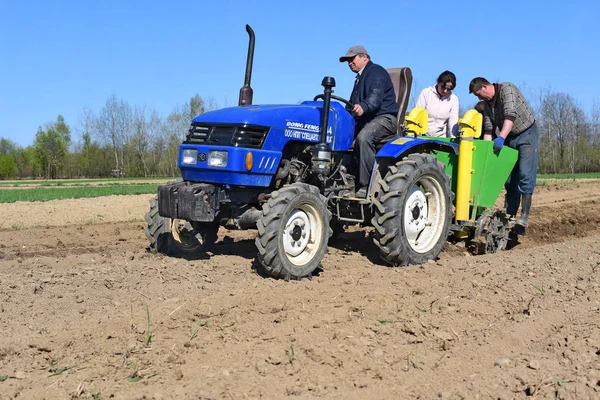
(178, 237)
(293, 232)
(413, 211)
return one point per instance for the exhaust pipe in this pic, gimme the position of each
(321, 160)
(246, 90)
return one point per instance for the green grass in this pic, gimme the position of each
(77, 192)
(79, 182)
(148, 332)
(591, 175)
(46, 190)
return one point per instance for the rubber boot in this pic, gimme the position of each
(523, 221)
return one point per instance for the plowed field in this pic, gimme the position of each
(87, 312)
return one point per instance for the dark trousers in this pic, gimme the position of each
(523, 176)
(368, 137)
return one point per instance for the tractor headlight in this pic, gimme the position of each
(189, 156)
(217, 158)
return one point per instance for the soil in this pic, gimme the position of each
(87, 312)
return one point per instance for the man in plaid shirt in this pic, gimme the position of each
(508, 120)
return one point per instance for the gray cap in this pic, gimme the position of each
(352, 51)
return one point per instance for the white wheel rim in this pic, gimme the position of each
(301, 236)
(415, 213)
(176, 226)
(424, 214)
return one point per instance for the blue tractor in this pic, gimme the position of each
(284, 171)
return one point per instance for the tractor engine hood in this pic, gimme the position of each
(306, 115)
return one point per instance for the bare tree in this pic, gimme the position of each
(415, 91)
(177, 125)
(211, 104)
(113, 126)
(158, 150)
(595, 121)
(595, 135)
(145, 132)
(564, 122)
(175, 128)
(140, 140)
(87, 119)
(196, 105)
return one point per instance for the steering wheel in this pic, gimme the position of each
(341, 100)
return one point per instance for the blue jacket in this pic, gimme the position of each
(374, 92)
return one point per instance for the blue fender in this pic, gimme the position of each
(396, 147)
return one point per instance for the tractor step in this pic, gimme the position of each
(351, 209)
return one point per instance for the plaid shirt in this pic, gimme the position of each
(508, 103)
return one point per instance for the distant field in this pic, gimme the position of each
(45, 190)
(591, 175)
(75, 192)
(79, 182)
(549, 179)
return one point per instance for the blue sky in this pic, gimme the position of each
(61, 56)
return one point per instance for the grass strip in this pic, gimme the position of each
(53, 193)
(590, 175)
(80, 182)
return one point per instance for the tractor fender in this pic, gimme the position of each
(401, 145)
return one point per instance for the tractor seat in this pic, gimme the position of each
(402, 81)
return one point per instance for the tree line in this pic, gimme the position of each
(117, 140)
(121, 139)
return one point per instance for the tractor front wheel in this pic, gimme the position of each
(178, 237)
(293, 232)
(413, 211)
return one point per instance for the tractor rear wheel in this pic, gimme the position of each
(293, 232)
(413, 211)
(178, 237)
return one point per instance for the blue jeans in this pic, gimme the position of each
(369, 135)
(523, 176)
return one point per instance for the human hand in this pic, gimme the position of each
(498, 144)
(358, 110)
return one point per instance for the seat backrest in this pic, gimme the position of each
(402, 81)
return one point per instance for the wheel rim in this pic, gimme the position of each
(183, 233)
(301, 235)
(424, 214)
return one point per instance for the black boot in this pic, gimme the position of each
(523, 222)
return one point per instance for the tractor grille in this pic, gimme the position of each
(248, 136)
